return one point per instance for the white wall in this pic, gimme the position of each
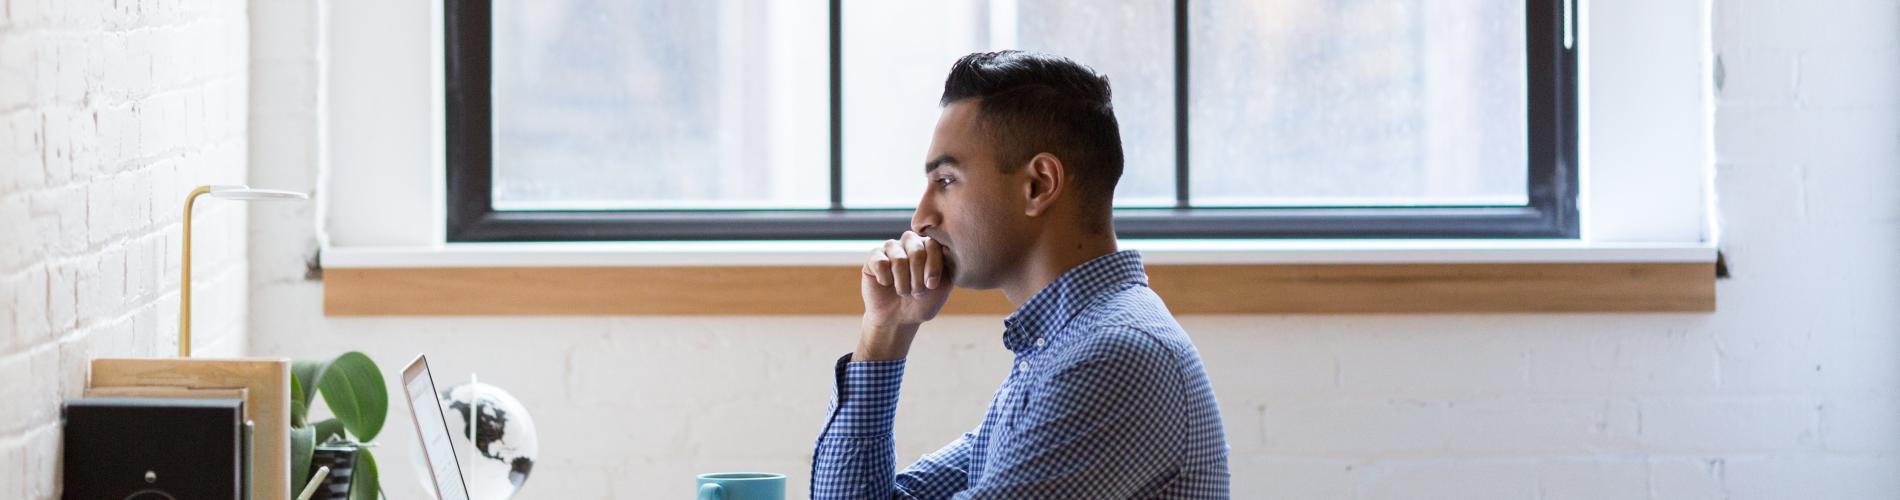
(1790, 390)
(110, 112)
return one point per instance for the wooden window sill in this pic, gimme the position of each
(514, 279)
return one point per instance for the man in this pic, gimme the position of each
(1107, 397)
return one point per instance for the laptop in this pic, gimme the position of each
(445, 471)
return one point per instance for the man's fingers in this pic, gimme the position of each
(916, 247)
(933, 269)
(909, 265)
(879, 267)
(900, 266)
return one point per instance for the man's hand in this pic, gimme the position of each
(904, 284)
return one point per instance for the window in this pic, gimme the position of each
(808, 119)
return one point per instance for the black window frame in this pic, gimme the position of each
(1551, 211)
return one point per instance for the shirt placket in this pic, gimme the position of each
(1022, 383)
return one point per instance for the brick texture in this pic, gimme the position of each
(109, 113)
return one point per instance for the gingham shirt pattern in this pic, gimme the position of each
(1107, 399)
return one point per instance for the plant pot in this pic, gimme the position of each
(341, 460)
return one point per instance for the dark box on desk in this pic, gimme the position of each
(154, 448)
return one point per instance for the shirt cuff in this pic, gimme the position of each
(865, 401)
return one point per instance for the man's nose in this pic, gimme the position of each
(924, 219)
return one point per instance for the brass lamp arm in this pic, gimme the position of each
(184, 280)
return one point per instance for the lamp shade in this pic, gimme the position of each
(230, 192)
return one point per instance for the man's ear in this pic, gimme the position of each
(1046, 184)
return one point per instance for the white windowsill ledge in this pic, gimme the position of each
(851, 253)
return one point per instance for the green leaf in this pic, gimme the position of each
(363, 483)
(354, 390)
(310, 373)
(328, 430)
(302, 447)
(299, 410)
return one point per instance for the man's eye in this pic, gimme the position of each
(944, 181)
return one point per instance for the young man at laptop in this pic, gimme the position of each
(1107, 397)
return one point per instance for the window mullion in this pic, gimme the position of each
(837, 106)
(1181, 104)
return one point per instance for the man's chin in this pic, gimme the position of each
(960, 275)
(964, 279)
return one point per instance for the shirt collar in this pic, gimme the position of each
(1058, 302)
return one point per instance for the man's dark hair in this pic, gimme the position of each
(1039, 103)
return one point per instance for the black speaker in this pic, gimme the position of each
(153, 449)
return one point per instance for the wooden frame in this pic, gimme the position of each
(1188, 289)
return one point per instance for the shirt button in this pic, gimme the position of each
(1040, 342)
(1023, 366)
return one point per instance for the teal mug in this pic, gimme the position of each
(742, 486)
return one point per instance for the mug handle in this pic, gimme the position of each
(711, 491)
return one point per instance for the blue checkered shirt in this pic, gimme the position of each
(1107, 399)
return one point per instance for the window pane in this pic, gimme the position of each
(617, 104)
(897, 53)
(1357, 102)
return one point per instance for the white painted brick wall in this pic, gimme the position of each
(109, 113)
(1791, 390)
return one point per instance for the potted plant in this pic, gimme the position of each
(353, 390)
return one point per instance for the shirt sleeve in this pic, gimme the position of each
(1108, 425)
(855, 456)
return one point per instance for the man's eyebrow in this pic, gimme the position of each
(940, 160)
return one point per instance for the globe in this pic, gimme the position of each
(499, 450)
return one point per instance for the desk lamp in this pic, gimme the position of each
(241, 193)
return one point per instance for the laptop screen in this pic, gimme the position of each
(434, 431)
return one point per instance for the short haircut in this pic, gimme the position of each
(1033, 103)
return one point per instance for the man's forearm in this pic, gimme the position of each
(884, 342)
